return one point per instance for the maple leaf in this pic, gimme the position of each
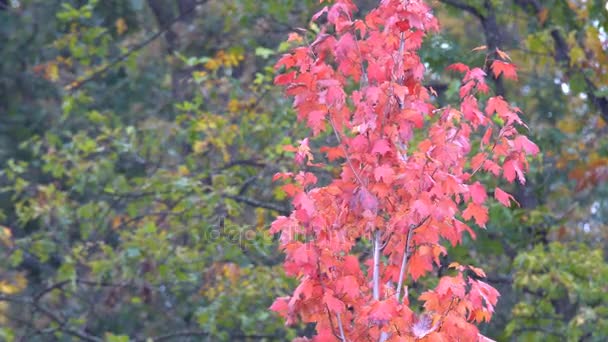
(315, 120)
(478, 193)
(384, 173)
(479, 212)
(524, 144)
(414, 116)
(324, 335)
(508, 70)
(504, 197)
(280, 305)
(512, 169)
(333, 303)
(319, 14)
(332, 153)
(381, 147)
(349, 286)
(459, 67)
(383, 310)
(420, 263)
(455, 285)
(303, 202)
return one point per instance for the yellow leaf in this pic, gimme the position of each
(121, 26)
(233, 106)
(182, 170)
(568, 125)
(51, 72)
(17, 285)
(5, 236)
(199, 146)
(576, 54)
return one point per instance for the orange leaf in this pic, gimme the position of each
(506, 69)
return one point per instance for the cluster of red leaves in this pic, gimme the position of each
(406, 180)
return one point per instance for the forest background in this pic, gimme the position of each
(139, 138)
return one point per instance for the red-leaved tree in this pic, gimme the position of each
(407, 180)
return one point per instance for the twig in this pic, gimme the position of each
(406, 257)
(259, 204)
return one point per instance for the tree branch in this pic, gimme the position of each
(406, 256)
(465, 7)
(259, 204)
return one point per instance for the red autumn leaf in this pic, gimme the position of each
(476, 74)
(479, 212)
(383, 311)
(325, 335)
(286, 60)
(522, 143)
(280, 305)
(384, 173)
(333, 303)
(332, 153)
(303, 202)
(319, 14)
(349, 286)
(503, 197)
(508, 70)
(497, 105)
(381, 147)
(478, 193)
(420, 264)
(315, 120)
(512, 169)
(455, 286)
(459, 67)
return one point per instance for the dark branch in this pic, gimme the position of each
(465, 7)
(259, 204)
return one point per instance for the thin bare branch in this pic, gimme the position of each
(465, 7)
